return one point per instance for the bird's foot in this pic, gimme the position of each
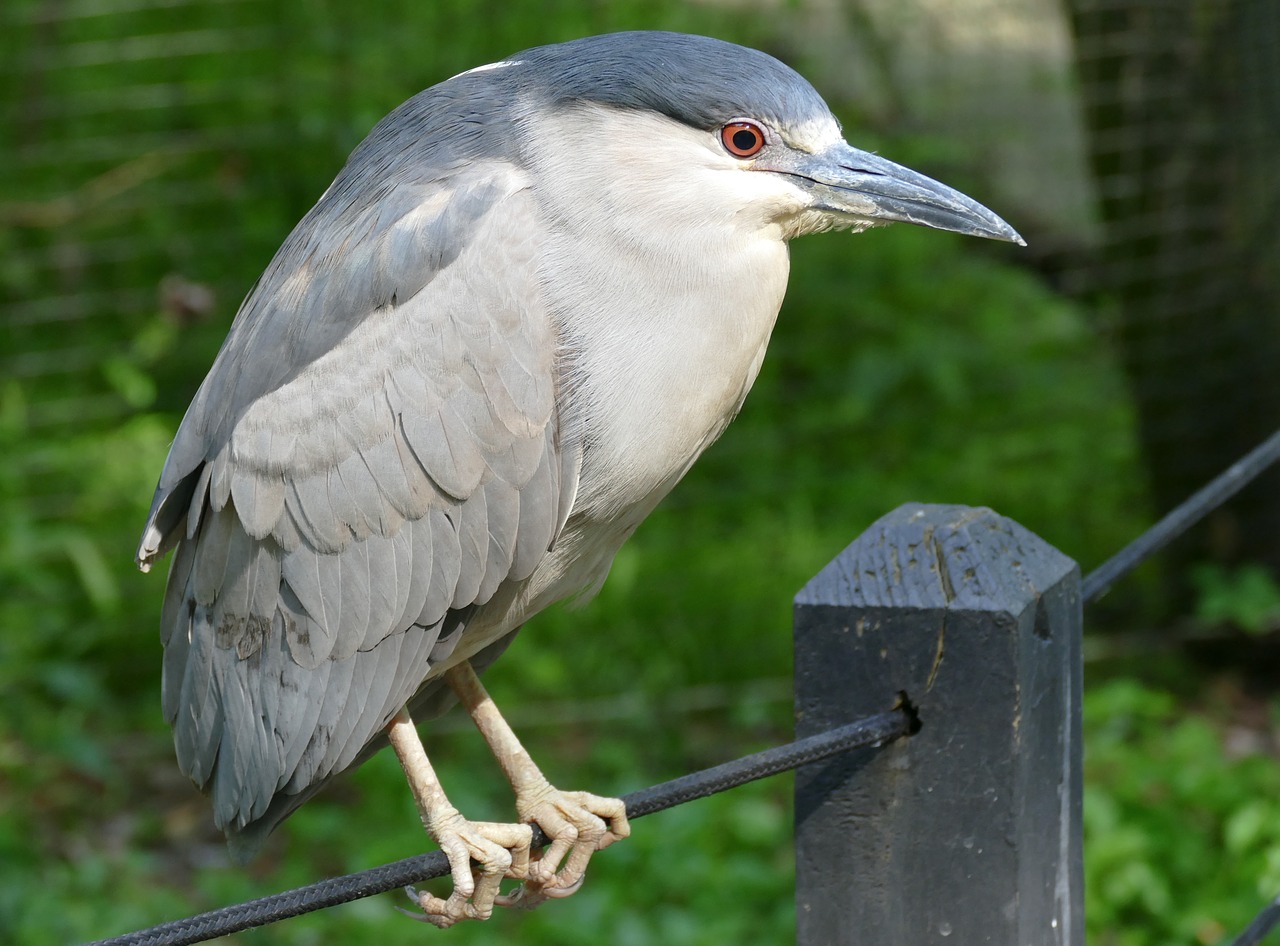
(481, 854)
(578, 824)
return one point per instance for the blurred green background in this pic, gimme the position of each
(156, 152)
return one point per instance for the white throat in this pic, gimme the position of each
(694, 267)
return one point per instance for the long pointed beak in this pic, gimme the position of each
(859, 187)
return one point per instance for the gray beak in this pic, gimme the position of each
(860, 187)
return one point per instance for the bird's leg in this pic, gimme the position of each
(499, 850)
(578, 823)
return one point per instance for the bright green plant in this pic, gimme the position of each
(1182, 835)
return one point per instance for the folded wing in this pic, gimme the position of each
(373, 455)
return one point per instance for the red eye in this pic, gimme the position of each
(742, 139)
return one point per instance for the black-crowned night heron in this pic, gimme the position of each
(530, 300)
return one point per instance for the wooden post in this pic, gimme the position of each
(969, 831)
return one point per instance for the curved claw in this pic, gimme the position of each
(528, 895)
(439, 922)
(418, 914)
(481, 854)
(578, 824)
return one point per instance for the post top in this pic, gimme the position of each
(939, 556)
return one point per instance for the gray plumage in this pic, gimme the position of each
(469, 372)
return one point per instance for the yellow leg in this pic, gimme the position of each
(499, 850)
(578, 823)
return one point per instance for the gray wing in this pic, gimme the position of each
(374, 453)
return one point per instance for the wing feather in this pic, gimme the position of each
(419, 582)
(333, 701)
(386, 467)
(471, 523)
(220, 479)
(199, 495)
(283, 686)
(446, 566)
(392, 560)
(314, 579)
(357, 501)
(310, 505)
(198, 719)
(373, 456)
(439, 441)
(213, 550)
(502, 519)
(242, 760)
(538, 499)
(260, 498)
(353, 580)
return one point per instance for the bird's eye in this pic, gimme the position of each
(742, 139)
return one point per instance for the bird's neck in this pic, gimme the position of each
(664, 267)
(660, 352)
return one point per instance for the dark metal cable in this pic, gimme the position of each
(1262, 924)
(1183, 517)
(866, 733)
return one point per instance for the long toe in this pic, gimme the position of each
(578, 824)
(481, 854)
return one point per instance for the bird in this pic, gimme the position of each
(533, 295)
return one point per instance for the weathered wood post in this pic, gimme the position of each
(969, 831)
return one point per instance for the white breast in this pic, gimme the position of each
(664, 309)
(665, 288)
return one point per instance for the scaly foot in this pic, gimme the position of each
(578, 824)
(481, 854)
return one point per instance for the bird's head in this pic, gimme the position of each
(694, 123)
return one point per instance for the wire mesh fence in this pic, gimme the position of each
(1181, 106)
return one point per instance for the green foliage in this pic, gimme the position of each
(60, 555)
(1246, 596)
(1182, 836)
